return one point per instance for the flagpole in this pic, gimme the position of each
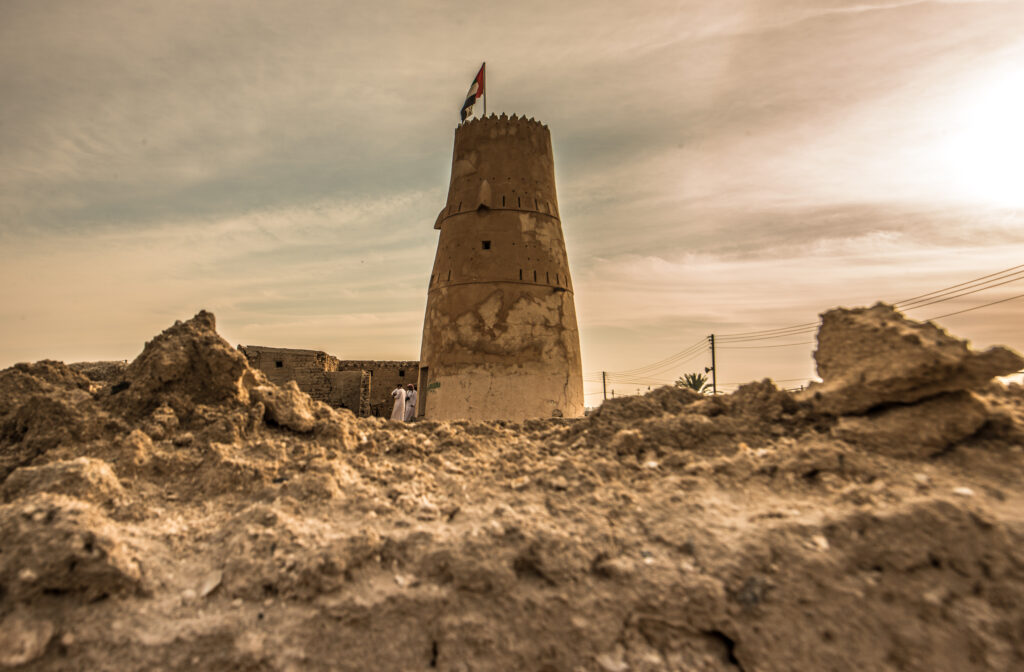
(484, 69)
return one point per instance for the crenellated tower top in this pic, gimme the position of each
(501, 163)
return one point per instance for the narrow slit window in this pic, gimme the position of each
(519, 201)
(535, 276)
(547, 277)
(503, 201)
(535, 204)
(520, 274)
(557, 281)
(449, 274)
(485, 244)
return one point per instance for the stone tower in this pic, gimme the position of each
(500, 339)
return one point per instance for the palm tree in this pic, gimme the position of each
(694, 381)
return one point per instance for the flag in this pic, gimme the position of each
(476, 90)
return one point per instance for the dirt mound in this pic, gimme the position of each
(187, 365)
(868, 357)
(100, 372)
(190, 515)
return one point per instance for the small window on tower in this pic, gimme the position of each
(401, 373)
(485, 244)
(278, 364)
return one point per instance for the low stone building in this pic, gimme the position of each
(362, 386)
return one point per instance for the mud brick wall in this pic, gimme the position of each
(384, 376)
(308, 368)
(344, 389)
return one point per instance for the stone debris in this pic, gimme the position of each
(869, 357)
(187, 514)
(23, 639)
(287, 406)
(920, 430)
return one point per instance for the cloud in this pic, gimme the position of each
(726, 165)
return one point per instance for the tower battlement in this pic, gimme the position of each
(501, 121)
(501, 163)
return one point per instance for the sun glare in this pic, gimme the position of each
(986, 153)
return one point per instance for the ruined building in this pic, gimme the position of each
(500, 339)
(363, 387)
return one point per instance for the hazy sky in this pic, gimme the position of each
(722, 167)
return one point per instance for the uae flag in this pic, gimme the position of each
(476, 90)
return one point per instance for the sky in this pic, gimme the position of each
(722, 167)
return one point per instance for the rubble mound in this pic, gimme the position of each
(901, 387)
(868, 357)
(187, 365)
(187, 514)
(100, 372)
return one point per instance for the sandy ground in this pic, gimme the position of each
(181, 513)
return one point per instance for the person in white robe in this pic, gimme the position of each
(410, 402)
(398, 412)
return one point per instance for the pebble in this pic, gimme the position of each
(963, 492)
(405, 580)
(184, 439)
(27, 575)
(519, 483)
(922, 480)
(936, 596)
(820, 541)
(612, 663)
(23, 639)
(210, 582)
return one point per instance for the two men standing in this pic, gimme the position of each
(404, 409)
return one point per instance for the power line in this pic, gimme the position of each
(968, 282)
(950, 297)
(768, 331)
(984, 305)
(694, 350)
(758, 347)
(615, 377)
(797, 332)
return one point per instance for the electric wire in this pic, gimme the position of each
(965, 292)
(984, 305)
(758, 347)
(914, 299)
(696, 348)
(682, 353)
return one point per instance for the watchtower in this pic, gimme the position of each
(500, 339)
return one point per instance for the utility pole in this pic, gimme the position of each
(714, 370)
(604, 384)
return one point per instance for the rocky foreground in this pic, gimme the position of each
(182, 513)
